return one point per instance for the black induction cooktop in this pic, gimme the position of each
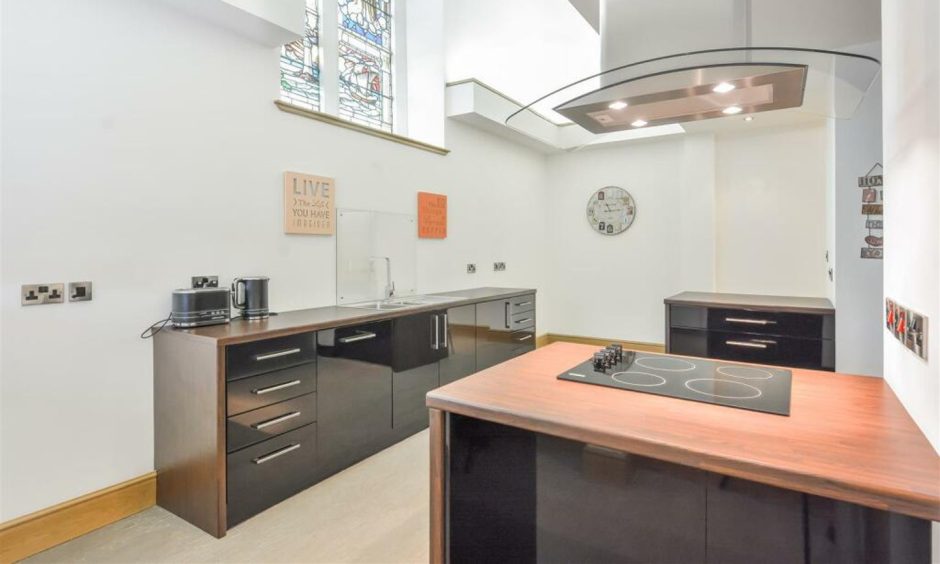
(757, 388)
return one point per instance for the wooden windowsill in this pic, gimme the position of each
(333, 120)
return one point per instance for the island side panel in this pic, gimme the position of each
(438, 437)
(189, 453)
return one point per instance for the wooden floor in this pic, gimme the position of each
(376, 511)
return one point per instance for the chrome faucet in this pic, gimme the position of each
(389, 285)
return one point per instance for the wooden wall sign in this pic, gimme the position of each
(309, 204)
(432, 216)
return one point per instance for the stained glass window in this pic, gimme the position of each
(365, 62)
(300, 65)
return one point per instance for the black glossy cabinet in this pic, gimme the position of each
(263, 474)
(763, 335)
(461, 354)
(419, 342)
(354, 394)
(505, 329)
(518, 496)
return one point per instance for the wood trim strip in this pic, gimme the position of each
(632, 345)
(33, 533)
(438, 550)
(333, 120)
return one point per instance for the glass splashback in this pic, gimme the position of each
(361, 238)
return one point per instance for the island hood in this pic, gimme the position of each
(708, 83)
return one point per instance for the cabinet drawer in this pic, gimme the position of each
(523, 338)
(258, 391)
(261, 424)
(521, 304)
(770, 323)
(691, 317)
(266, 473)
(522, 320)
(250, 359)
(761, 349)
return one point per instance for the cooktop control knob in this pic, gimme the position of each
(600, 362)
(618, 352)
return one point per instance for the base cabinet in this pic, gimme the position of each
(354, 383)
(505, 329)
(461, 357)
(517, 496)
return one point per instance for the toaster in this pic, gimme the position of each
(197, 307)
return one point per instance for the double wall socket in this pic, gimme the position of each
(38, 294)
(499, 266)
(205, 281)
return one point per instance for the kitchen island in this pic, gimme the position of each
(527, 467)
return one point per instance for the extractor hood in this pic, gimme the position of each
(712, 83)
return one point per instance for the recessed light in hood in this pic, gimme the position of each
(701, 85)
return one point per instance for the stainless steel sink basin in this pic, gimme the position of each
(405, 302)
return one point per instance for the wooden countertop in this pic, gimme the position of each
(847, 437)
(754, 302)
(301, 321)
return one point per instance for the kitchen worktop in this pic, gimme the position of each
(847, 437)
(753, 301)
(300, 321)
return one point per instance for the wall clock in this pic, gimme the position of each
(611, 210)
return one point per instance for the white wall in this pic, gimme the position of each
(770, 211)
(147, 149)
(613, 286)
(911, 82)
(523, 48)
(858, 282)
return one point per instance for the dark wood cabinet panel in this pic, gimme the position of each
(354, 394)
(461, 354)
(263, 474)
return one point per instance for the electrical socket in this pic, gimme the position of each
(471, 268)
(79, 291)
(499, 266)
(39, 294)
(205, 281)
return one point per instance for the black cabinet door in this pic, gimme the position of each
(493, 335)
(409, 388)
(750, 522)
(461, 359)
(354, 398)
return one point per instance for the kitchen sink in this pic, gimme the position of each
(405, 302)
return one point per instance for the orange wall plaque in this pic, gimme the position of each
(309, 204)
(432, 216)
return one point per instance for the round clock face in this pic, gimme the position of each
(611, 210)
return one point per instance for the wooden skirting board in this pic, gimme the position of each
(55, 525)
(548, 338)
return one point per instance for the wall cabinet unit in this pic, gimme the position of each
(242, 425)
(782, 331)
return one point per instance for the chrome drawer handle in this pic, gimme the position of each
(526, 338)
(278, 354)
(746, 344)
(362, 336)
(520, 304)
(275, 454)
(276, 420)
(524, 320)
(274, 388)
(750, 321)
